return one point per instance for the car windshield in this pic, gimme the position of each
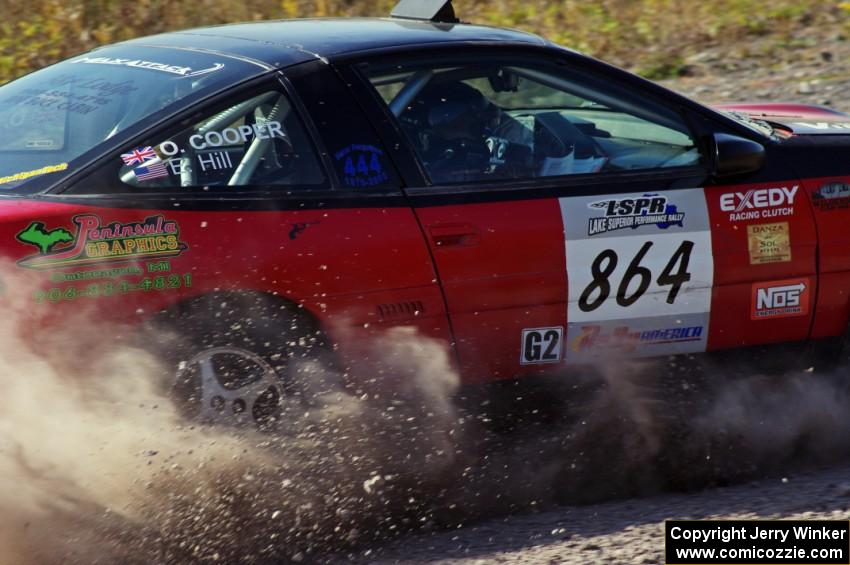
(52, 117)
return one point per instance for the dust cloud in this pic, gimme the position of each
(98, 465)
(635, 428)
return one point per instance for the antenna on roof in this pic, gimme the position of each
(437, 11)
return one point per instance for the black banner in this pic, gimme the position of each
(757, 542)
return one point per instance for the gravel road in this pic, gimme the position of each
(625, 532)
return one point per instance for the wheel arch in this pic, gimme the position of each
(245, 300)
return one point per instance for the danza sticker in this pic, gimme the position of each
(769, 243)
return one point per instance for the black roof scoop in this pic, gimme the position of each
(437, 11)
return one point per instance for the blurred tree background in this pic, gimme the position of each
(652, 37)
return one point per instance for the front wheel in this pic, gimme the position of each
(241, 359)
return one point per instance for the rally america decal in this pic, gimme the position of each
(640, 272)
(92, 242)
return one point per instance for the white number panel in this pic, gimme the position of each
(639, 276)
(640, 272)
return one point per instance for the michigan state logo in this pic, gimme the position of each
(45, 240)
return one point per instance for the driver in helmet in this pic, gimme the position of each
(463, 137)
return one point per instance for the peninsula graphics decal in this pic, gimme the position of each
(155, 237)
(622, 213)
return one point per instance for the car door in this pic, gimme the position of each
(568, 216)
(253, 191)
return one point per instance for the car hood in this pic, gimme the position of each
(799, 119)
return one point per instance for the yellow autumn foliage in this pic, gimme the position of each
(650, 36)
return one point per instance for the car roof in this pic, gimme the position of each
(288, 42)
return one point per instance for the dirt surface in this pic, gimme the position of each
(624, 532)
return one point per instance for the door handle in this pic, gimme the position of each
(454, 235)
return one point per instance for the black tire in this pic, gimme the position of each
(241, 358)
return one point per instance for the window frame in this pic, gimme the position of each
(699, 121)
(315, 81)
(102, 170)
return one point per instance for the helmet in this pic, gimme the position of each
(449, 122)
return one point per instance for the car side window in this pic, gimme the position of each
(257, 142)
(479, 121)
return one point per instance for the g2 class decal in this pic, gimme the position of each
(541, 345)
(638, 292)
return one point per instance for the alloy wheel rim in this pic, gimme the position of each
(230, 386)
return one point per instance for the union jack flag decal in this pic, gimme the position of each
(139, 155)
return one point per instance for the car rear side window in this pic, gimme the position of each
(258, 142)
(472, 121)
(59, 118)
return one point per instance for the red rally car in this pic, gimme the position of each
(280, 188)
